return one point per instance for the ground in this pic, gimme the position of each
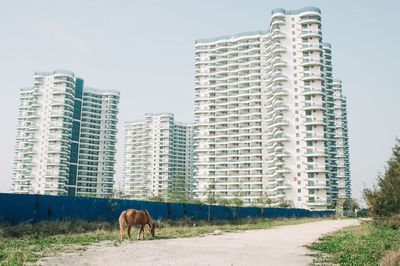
(276, 246)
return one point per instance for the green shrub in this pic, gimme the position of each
(384, 199)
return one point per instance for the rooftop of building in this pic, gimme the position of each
(168, 114)
(58, 71)
(232, 36)
(250, 33)
(102, 91)
(296, 11)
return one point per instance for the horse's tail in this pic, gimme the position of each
(123, 222)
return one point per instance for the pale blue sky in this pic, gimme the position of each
(145, 49)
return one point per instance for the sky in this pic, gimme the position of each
(145, 49)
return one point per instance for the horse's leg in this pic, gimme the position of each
(129, 231)
(121, 231)
(122, 225)
(140, 231)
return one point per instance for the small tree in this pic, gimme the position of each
(237, 202)
(177, 190)
(211, 198)
(346, 207)
(339, 208)
(223, 201)
(285, 204)
(384, 199)
(350, 204)
(158, 198)
(264, 201)
(196, 201)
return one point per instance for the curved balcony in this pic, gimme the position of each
(310, 20)
(311, 47)
(316, 153)
(281, 92)
(317, 203)
(37, 82)
(278, 48)
(311, 33)
(233, 52)
(310, 136)
(312, 62)
(314, 121)
(313, 76)
(313, 91)
(278, 21)
(312, 185)
(279, 63)
(278, 148)
(281, 122)
(283, 170)
(277, 34)
(281, 138)
(281, 107)
(279, 77)
(314, 106)
(223, 44)
(316, 169)
(281, 186)
(282, 154)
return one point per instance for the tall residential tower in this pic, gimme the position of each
(267, 115)
(158, 157)
(65, 137)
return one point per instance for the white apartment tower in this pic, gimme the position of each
(269, 120)
(342, 141)
(158, 157)
(65, 137)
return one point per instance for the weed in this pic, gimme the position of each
(365, 244)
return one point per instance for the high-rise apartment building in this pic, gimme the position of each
(269, 120)
(342, 141)
(158, 157)
(65, 137)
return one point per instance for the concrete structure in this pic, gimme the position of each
(265, 118)
(158, 157)
(65, 137)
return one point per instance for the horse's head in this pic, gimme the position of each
(152, 229)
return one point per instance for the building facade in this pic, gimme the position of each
(65, 137)
(266, 116)
(158, 157)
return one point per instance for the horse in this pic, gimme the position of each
(131, 217)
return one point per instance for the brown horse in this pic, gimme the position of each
(131, 217)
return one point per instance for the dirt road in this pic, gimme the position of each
(275, 246)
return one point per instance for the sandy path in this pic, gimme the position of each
(275, 246)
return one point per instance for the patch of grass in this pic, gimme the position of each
(365, 244)
(27, 243)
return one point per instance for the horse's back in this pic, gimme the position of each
(136, 216)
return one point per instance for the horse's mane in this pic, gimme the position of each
(149, 217)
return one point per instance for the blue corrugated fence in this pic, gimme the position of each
(19, 208)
